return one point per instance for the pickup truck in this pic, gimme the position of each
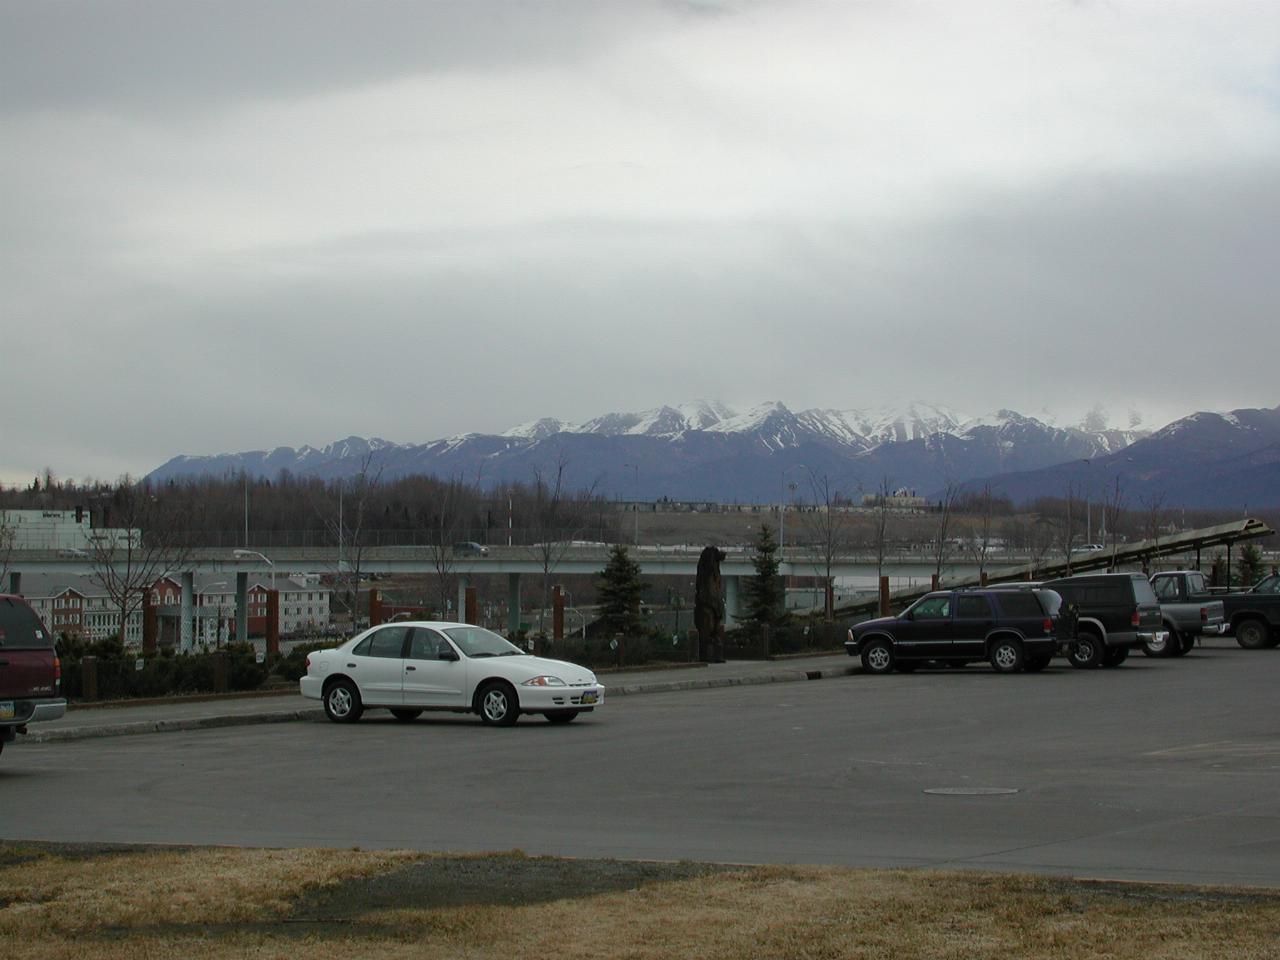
(1115, 612)
(1188, 612)
(1253, 615)
(30, 673)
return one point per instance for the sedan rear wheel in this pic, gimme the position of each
(498, 704)
(342, 702)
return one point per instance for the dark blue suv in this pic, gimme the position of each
(1012, 630)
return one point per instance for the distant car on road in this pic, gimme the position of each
(470, 548)
(1013, 630)
(30, 672)
(411, 667)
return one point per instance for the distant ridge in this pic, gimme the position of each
(704, 450)
(1211, 460)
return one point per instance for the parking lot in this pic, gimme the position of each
(1157, 770)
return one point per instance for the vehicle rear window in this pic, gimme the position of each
(20, 628)
(1142, 591)
(1021, 604)
(1050, 600)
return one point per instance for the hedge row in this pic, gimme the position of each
(159, 676)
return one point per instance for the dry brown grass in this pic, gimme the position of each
(229, 903)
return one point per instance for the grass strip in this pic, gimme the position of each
(221, 903)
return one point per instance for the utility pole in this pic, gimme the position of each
(636, 506)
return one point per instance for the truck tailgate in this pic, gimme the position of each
(27, 674)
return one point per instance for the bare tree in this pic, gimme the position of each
(1069, 531)
(827, 529)
(553, 518)
(1112, 510)
(981, 529)
(880, 526)
(941, 544)
(137, 544)
(8, 537)
(1153, 515)
(1040, 538)
(345, 516)
(451, 504)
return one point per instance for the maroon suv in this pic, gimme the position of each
(30, 674)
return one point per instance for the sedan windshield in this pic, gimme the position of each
(479, 642)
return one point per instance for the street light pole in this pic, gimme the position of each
(636, 506)
(782, 513)
(262, 557)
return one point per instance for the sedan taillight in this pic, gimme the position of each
(57, 675)
(308, 664)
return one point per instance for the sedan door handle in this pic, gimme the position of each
(407, 669)
(351, 666)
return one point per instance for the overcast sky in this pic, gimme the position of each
(245, 224)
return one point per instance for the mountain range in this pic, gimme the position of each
(703, 450)
(1211, 460)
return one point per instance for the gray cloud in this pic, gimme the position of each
(239, 226)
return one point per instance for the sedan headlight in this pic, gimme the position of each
(544, 681)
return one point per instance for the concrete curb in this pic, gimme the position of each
(171, 725)
(317, 713)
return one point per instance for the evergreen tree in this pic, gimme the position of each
(1250, 564)
(620, 591)
(764, 599)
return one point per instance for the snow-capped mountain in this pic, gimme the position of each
(1203, 460)
(703, 450)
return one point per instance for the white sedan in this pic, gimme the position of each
(411, 667)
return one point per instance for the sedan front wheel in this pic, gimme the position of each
(498, 704)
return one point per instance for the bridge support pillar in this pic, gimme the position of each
(731, 593)
(513, 603)
(186, 637)
(464, 581)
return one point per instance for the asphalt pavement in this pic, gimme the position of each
(1158, 770)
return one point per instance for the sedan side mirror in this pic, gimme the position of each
(447, 654)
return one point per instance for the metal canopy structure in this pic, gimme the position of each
(1121, 555)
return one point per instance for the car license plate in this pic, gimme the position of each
(6, 710)
(590, 697)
